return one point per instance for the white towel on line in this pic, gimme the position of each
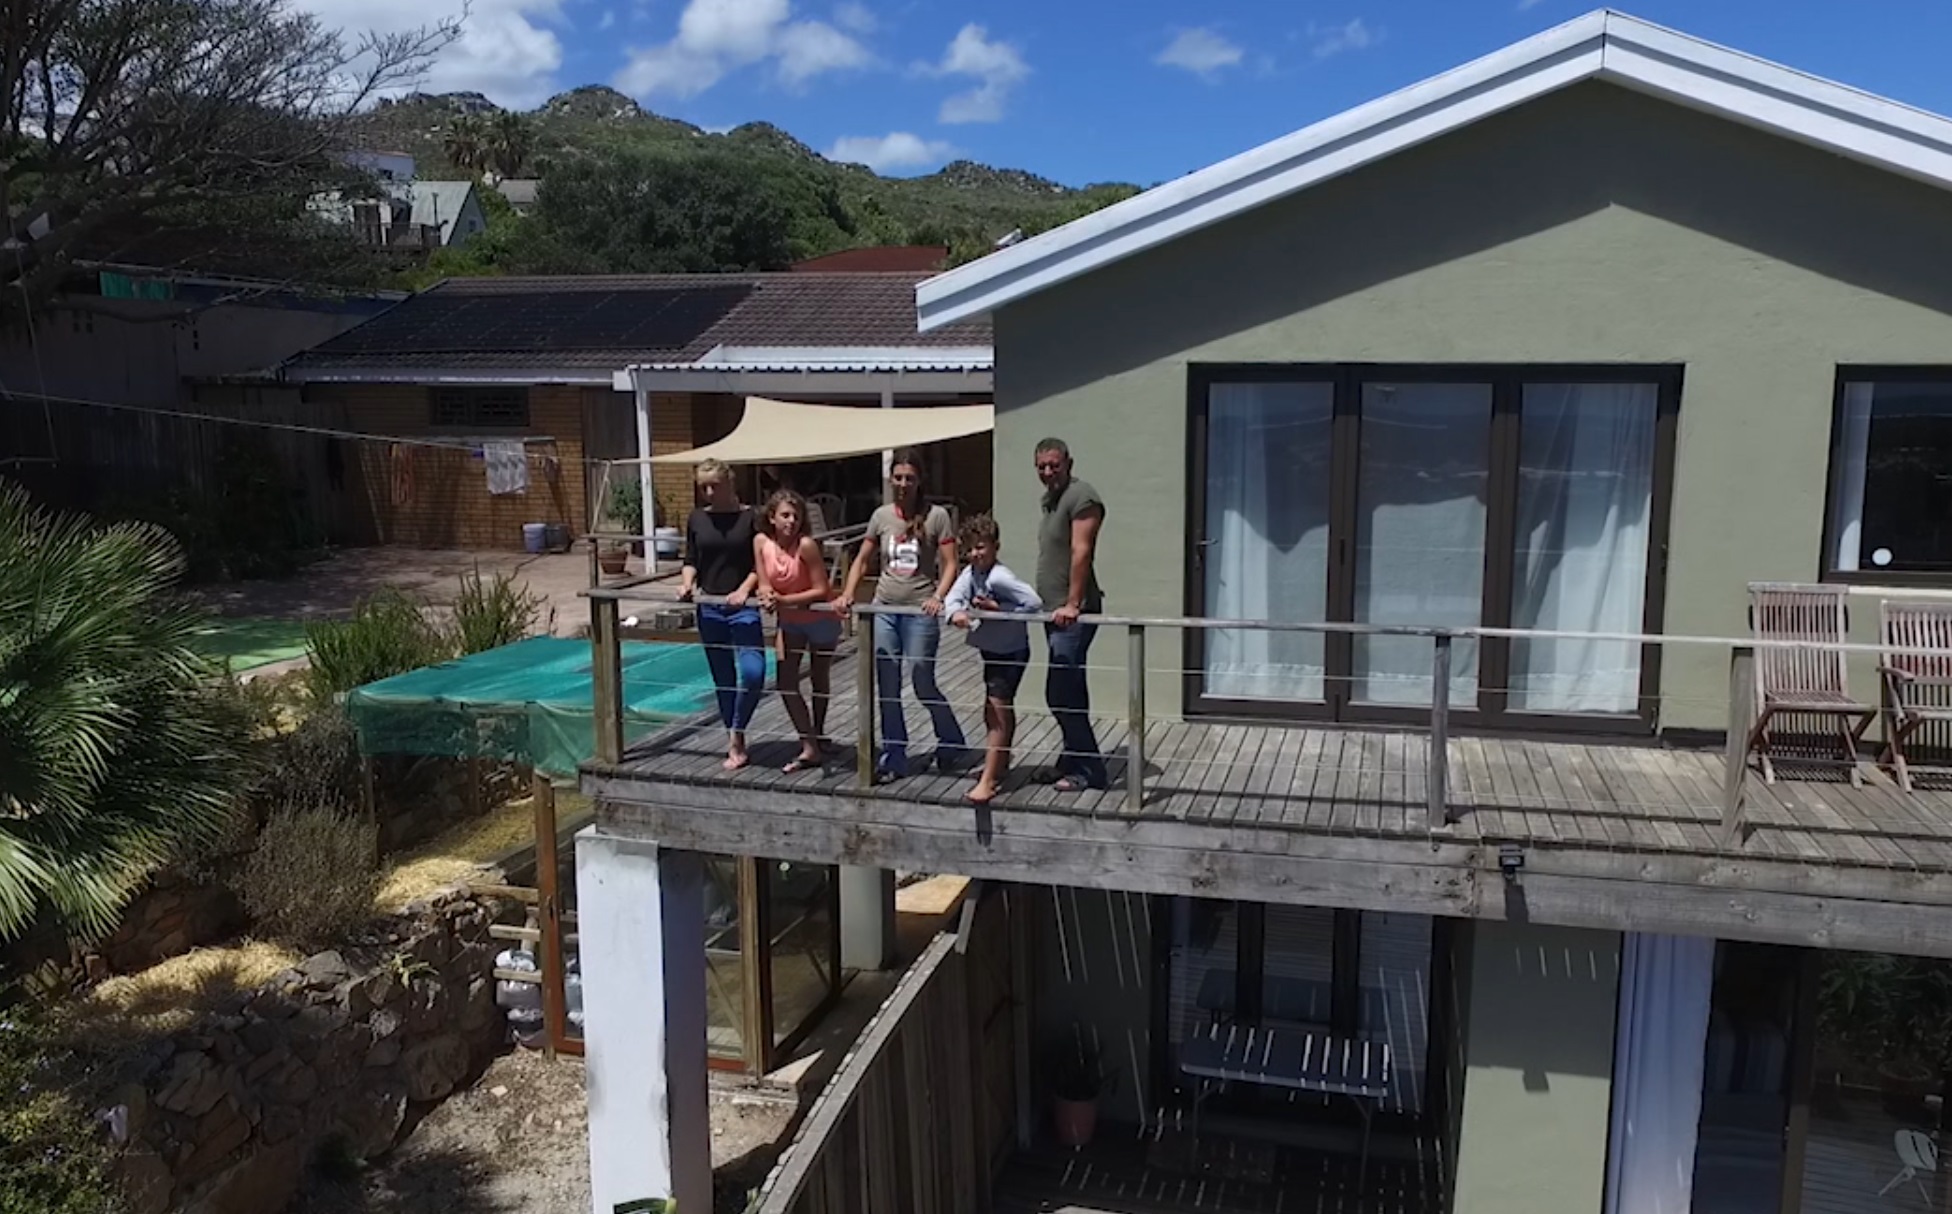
(508, 466)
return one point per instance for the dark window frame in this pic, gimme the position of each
(460, 407)
(1937, 373)
(1507, 381)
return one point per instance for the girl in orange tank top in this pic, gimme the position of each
(792, 580)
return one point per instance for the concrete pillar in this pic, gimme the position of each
(640, 916)
(1537, 1053)
(867, 918)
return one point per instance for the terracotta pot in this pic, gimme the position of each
(613, 562)
(1075, 1121)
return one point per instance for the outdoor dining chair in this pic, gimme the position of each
(1917, 687)
(1804, 708)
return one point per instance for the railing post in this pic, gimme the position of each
(607, 679)
(864, 702)
(1437, 775)
(1135, 707)
(1741, 719)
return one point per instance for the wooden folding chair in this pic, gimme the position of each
(1803, 704)
(1917, 687)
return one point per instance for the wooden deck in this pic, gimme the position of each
(1611, 834)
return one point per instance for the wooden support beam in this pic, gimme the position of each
(1741, 719)
(606, 679)
(1135, 736)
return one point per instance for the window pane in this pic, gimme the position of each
(1878, 1105)
(725, 1008)
(1267, 502)
(1738, 1158)
(1395, 987)
(1585, 492)
(1206, 948)
(802, 952)
(1891, 478)
(1422, 479)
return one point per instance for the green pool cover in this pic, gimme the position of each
(526, 703)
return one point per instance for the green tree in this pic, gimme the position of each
(465, 140)
(118, 753)
(161, 130)
(644, 211)
(509, 142)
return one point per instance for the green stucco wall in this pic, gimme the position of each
(1538, 1056)
(1593, 226)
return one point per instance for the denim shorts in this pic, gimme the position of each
(814, 634)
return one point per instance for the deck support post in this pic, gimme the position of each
(641, 927)
(1741, 720)
(1135, 706)
(864, 703)
(606, 679)
(1438, 773)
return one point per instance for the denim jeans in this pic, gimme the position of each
(735, 649)
(910, 641)
(1068, 694)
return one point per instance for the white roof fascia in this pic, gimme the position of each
(436, 375)
(805, 382)
(843, 358)
(1601, 45)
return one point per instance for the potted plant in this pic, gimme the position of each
(613, 557)
(626, 508)
(1078, 1078)
(1894, 1015)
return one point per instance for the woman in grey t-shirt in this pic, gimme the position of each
(915, 546)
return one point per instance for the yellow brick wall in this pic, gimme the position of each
(449, 505)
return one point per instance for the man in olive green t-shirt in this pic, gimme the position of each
(1067, 581)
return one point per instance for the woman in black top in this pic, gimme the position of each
(719, 562)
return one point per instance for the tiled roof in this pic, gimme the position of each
(610, 322)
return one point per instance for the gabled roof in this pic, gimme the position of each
(585, 328)
(1602, 45)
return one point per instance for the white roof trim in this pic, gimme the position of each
(833, 358)
(1602, 45)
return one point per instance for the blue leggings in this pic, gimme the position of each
(735, 649)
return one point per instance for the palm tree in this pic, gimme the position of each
(509, 141)
(465, 142)
(117, 755)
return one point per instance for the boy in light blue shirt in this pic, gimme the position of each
(986, 585)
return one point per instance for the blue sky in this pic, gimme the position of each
(1086, 90)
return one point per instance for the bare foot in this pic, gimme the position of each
(982, 794)
(736, 759)
(801, 763)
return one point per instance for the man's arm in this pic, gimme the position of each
(1084, 545)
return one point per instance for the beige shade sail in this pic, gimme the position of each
(780, 432)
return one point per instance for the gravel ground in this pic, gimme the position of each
(515, 1143)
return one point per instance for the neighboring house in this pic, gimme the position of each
(91, 385)
(451, 210)
(410, 216)
(1530, 361)
(520, 192)
(603, 368)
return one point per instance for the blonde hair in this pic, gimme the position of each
(712, 470)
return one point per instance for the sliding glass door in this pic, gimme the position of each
(1450, 497)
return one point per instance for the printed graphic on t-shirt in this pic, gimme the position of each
(904, 555)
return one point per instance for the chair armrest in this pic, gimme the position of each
(1922, 680)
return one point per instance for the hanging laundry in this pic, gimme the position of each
(508, 466)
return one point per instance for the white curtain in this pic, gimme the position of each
(1847, 469)
(1585, 493)
(1422, 479)
(1267, 531)
(1661, 1039)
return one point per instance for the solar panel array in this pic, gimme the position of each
(649, 318)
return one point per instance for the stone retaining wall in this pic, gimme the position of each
(225, 1119)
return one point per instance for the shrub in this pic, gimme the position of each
(54, 1160)
(388, 634)
(313, 875)
(488, 614)
(314, 764)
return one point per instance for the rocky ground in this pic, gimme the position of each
(514, 1143)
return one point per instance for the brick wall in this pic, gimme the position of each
(448, 504)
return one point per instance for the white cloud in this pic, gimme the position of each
(895, 150)
(608, 19)
(1200, 51)
(716, 37)
(997, 67)
(506, 50)
(1351, 35)
(858, 17)
(1528, 4)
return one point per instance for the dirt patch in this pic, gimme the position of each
(517, 1140)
